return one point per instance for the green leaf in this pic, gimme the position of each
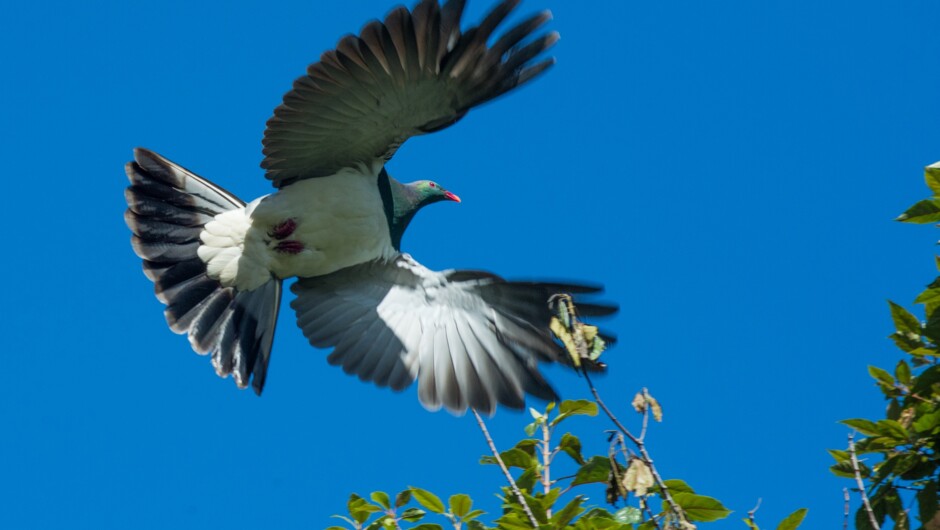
(907, 342)
(866, 427)
(381, 498)
(927, 501)
(538, 506)
(932, 177)
(571, 445)
(402, 498)
(460, 504)
(562, 517)
(750, 524)
(628, 515)
(677, 486)
(904, 320)
(792, 521)
(842, 469)
(893, 429)
(476, 525)
(573, 408)
(427, 526)
(413, 515)
(927, 422)
(428, 500)
(931, 294)
(381, 522)
(513, 521)
(595, 470)
(527, 479)
(932, 327)
(528, 445)
(927, 379)
(925, 211)
(517, 457)
(360, 509)
(881, 375)
(903, 373)
(839, 455)
(473, 515)
(531, 428)
(700, 507)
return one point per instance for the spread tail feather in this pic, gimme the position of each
(168, 206)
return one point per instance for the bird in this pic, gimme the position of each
(471, 339)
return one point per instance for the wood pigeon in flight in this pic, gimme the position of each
(470, 338)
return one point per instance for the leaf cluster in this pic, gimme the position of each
(634, 501)
(897, 457)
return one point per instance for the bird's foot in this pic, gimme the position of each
(283, 229)
(290, 246)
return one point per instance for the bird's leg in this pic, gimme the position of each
(283, 229)
(290, 247)
(280, 232)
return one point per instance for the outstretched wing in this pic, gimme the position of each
(471, 339)
(413, 74)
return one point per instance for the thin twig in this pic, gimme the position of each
(502, 465)
(546, 457)
(644, 455)
(646, 415)
(861, 485)
(394, 517)
(845, 519)
(546, 460)
(750, 514)
(652, 517)
(615, 469)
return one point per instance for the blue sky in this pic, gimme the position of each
(730, 172)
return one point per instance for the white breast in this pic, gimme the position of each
(339, 222)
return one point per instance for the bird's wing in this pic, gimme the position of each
(470, 338)
(414, 73)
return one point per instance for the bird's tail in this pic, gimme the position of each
(167, 208)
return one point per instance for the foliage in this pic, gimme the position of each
(636, 495)
(896, 461)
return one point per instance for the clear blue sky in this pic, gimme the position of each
(730, 172)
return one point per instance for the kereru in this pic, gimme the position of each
(470, 338)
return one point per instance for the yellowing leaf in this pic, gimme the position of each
(638, 478)
(639, 403)
(565, 337)
(655, 408)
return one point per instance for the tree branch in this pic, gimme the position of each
(644, 455)
(861, 484)
(502, 465)
(845, 518)
(750, 514)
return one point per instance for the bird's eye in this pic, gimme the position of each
(433, 185)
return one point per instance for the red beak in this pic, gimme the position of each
(451, 196)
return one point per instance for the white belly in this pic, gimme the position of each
(334, 222)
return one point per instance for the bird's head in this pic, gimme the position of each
(427, 192)
(407, 199)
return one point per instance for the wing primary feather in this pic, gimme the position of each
(506, 386)
(482, 363)
(427, 384)
(445, 375)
